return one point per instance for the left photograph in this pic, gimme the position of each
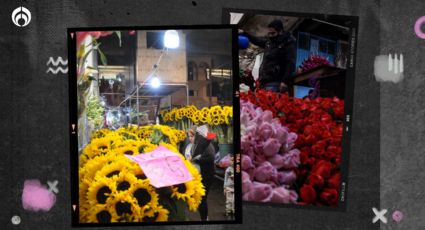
(152, 125)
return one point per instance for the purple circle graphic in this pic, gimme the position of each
(397, 216)
(418, 25)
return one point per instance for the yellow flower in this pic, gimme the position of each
(124, 207)
(100, 213)
(145, 196)
(159, 214)
(100, 133)
(127, 150)
(144, 145)
(96, 147)
(125, 182)
(100, 191)
(113, 169)
(88, 171)
(127, 143)
(192, 191)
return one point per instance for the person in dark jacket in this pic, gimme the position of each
(278, 65)
(203, 153)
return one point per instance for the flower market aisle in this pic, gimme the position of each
(216, 203)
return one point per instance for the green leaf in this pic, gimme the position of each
(119, 36)
(102, 57)
(80, 52)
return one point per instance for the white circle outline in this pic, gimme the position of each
(18, 11)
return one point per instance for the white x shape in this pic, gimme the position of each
(52, 186)
(379, 215)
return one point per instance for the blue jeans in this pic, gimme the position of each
(273, 86)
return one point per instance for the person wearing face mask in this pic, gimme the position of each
(278, 65)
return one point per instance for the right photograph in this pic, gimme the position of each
(296, 75)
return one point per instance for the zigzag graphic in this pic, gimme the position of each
(57, 70)
(56, 63)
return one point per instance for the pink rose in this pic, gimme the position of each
(265, 172)
(286, 177)
(246, 182)
(267, 116)
(287, 161)
(281, 134)
(258, 192)
(265, 131)
(283, 195)
(246, 162)
(271, 147)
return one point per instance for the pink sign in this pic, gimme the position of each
(162, 167)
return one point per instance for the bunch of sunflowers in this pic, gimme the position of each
(112, 188)
(221, 122)
(215, 115)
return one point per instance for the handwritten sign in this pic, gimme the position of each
(162, 167)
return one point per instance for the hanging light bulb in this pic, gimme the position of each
(155, 82)
(171, 39)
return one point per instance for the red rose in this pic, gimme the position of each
(331, 152)
(323, 168)
(334, 181)
(329, 196)
(308, 194)
(316, 181)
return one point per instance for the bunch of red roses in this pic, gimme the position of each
(318, 124)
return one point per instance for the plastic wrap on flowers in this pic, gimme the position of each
(319, 126)
(268, 159)
(113, 188)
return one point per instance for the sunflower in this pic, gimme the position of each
(100, 133)
(124, 207)
(88, 171)
(125, 182)
(146, 198)
(100, 213)
(129, 142)
(115, 168)
(100, 191)
(183, 191)
(204, 115)
(192, 191)
(144, 133)
(137, 172)
(83, 204)
(196, 116)
(144, 145)
(96, 147)
(127, 150)
(159, 214)
(216, 111)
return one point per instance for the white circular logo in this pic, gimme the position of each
(21, 16)
(16, 220)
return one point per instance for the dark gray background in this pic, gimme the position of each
(34, 107)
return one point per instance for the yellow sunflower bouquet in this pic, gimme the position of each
(112, 188)
(220, 121)
(180, 118)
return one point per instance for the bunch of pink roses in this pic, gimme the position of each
(268, 159)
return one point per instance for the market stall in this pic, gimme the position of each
(132, 130)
